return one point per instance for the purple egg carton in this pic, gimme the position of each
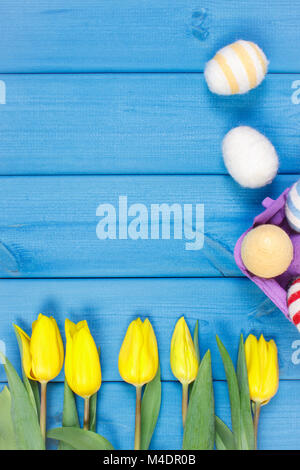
(275, 288)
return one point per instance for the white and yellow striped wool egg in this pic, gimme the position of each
(236, 69)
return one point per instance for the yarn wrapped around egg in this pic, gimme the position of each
(249, 157)
(293, 301)
(267, 251)
(292, 207)
(236, 68)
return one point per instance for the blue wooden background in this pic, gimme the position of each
(101, 99)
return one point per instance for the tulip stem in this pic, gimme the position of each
(86, 414)
(43, 412)
(137, 437)
(257, 407)
(185, 397)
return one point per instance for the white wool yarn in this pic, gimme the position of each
(292, 207)
(236, 69)
(249, 157)
(293, 301)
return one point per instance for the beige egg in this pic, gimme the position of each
(267, 251)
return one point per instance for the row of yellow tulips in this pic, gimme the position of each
(43, 357)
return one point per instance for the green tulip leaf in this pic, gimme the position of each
(32, 388)
(150, 409)
(197, 349)
(70, 415)
(80, 439)
(93, 412)
(30, 385)
(199, 431)
(196, 341)
(93, 408)
(224, 437)
(24, 416)
(234, 393)
(7, 435)
(247, 428)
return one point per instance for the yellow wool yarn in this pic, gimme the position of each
(236, 69)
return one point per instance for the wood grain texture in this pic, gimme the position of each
(225, 307)
(141, 35)
(137, 123)
(59, 119)
(115, 415)
(48, 225)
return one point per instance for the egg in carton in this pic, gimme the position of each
(277, 212)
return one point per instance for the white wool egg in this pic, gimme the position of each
(249, 157)
(292, 207)
(236, 68)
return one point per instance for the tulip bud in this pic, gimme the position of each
(82, 365)
(262, 366)
(184, 362)
(43, 353)
(138, 358)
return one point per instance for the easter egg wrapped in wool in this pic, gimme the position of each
(249, 157)
(267, 251)
(293, 301)
(292, 207)
(236, 68)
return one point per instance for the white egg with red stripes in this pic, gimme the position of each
(236, 68)
(292, 207)
(293, 301)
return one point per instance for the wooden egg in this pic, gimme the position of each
(267, 251)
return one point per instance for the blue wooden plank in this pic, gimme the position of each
(225, 307)
(48, 225)
(141, 35)
(137, 123)
(278, 428)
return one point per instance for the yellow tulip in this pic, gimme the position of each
(138, 358)
(262, 367)
(42, 357)
(43, 353)
(138, 363)
(82, 365)
(184, 362)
